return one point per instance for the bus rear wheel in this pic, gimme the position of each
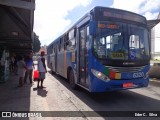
(72, 80)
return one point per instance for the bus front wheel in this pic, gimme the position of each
(72, 80)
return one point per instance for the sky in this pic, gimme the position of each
(53, 17)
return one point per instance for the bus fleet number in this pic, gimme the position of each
(138, 74)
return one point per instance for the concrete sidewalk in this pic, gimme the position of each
(29, 98)
(26, 98)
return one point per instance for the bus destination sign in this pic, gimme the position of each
(126, 16)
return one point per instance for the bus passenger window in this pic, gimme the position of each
(67, 45)
(60, 44)
(71, 34)
(71, 43)
(65, 41)
(54, 50)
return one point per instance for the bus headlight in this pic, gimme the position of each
(99, 75)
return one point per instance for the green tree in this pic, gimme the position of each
(36, 44)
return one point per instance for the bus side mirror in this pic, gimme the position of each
(92, 27)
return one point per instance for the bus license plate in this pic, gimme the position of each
(128, 85)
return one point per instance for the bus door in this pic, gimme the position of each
(83, 55)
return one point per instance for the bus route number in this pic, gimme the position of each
(138, 74)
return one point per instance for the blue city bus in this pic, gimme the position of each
(106, 50)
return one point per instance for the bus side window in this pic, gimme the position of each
(54, 49)
(51, 49)
(60, 44)
(74, 37)
(67, 45)
(72, 41)
(65, 40)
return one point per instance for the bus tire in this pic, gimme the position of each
(72, 80)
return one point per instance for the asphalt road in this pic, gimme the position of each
(142, 99)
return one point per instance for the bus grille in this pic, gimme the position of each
(126, 69)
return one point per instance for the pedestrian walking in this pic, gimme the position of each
(21, 70)
(42, 69)
(30, 66)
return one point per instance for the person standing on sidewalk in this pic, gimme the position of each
(30, 66)
(21, 70)
(42, 69)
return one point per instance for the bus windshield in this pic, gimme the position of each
(121, 41)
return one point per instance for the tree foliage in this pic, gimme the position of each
(36, 44)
